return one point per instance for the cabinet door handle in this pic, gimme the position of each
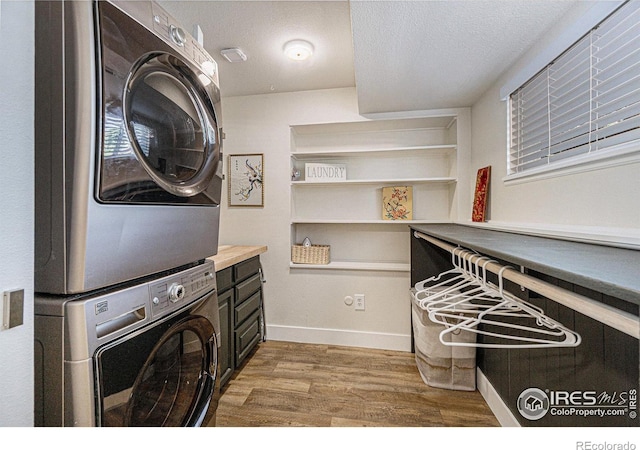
(262, 278)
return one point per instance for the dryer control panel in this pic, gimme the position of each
(172, 32)
(155, 18)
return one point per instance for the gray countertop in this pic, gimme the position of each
(609, 270)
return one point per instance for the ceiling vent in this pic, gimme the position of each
(233, 55)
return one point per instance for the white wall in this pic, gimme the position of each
(602, 205)
(16, 204)
(305, 305)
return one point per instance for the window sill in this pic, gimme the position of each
(623, 154)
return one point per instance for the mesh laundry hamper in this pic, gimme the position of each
(442, 366)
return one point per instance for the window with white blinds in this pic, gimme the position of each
(587, 100)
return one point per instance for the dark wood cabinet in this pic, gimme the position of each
(225, 350)
(240, 303)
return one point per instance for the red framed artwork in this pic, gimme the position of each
(481, 194)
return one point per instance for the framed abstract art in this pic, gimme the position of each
(481, 195)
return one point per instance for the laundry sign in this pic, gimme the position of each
(325, 172)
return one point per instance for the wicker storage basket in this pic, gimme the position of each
(315, 254)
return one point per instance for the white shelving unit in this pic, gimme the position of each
(347, 214)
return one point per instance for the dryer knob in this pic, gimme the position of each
(178, 35)
(176, 292)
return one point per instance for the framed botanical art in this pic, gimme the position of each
(246, 180)
(397, 203)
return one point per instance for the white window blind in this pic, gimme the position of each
(586, 100)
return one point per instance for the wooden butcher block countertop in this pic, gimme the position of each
(228, 255)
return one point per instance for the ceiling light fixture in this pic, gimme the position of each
(233, 55)
(298, 49)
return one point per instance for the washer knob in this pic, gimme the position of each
(178, 35)
(176, 292)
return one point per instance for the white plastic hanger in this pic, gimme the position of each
(463, 300)
(449, 283)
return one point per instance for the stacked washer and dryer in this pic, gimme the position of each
(128, 183)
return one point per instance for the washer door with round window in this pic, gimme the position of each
(163, 377)
(160, 131)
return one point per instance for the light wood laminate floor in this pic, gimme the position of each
(289, 385)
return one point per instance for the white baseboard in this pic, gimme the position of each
(385, 341)
(497, 406)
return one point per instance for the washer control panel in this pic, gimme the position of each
(173, 292)
(176, 292)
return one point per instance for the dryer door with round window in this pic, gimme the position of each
(160, 131)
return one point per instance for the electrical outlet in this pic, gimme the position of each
(359, 302)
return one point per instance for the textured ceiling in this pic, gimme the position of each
(400, 55)
(260, 29)
(416, 55)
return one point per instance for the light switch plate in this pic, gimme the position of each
(13, 309)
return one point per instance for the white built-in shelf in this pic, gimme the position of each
(347, 214)
(356, 265)
(366, 221)
(395, 181)
(374, 127)
(434, 149)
